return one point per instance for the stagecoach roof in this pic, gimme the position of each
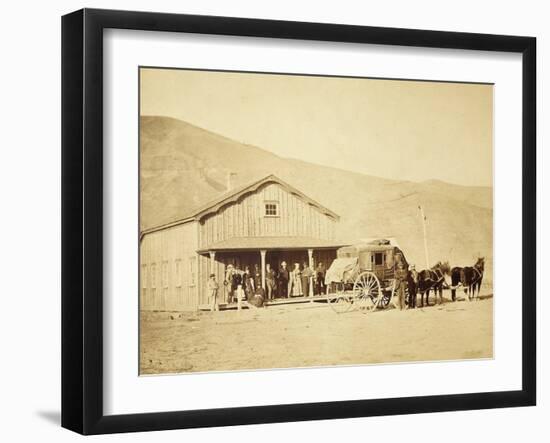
(373, 244)
(270, 243)
(390, 241)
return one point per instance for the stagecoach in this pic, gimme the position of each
(363, 275)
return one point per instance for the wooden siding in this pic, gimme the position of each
(246, 218)
(170, 269)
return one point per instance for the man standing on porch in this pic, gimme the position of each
(307, 275)
(320, 273)
(269, 281)
(213, 292)
(283, 280)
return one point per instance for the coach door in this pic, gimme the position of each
(378, 263)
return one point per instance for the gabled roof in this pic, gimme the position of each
(234, 195)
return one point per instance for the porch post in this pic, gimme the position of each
(212, 267)
(262, 255)
(212, 262)
(310, 259)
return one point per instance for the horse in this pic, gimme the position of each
(469, 278)
(480, 269)
(433, 278)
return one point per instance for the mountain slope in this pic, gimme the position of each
(183, 166)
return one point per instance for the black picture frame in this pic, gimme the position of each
(82, 218)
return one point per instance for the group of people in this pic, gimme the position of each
(281, 283)
(300, 281)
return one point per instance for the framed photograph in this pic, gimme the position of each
(268, 221)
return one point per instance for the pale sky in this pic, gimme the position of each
(396, 129)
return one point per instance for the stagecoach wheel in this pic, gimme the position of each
(367, 291)
(387, 296)
(338, 299)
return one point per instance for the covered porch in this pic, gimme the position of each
(250, 251)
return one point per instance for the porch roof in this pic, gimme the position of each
(271, 243)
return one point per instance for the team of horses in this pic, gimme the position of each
(440, 276)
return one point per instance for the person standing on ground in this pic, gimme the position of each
(213, 292)
(412, 284)
(401, 274)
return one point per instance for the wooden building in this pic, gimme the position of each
(268, 221)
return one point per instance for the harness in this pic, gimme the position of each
(479, 275)
(478, 278)
(439, 275)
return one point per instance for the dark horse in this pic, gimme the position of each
(433, 278)
(469, 278)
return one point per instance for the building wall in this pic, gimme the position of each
(246, 218)
(170, 269)
(173, 276)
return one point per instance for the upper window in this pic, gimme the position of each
(271, 209)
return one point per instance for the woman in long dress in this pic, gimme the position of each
(296, 281)
(248, 283)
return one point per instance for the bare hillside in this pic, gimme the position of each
(183, 166)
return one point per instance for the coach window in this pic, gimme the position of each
(378, 258)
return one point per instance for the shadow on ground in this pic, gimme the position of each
(53, 417)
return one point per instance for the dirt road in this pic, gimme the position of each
(312, 335)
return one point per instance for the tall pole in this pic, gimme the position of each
(423, 217)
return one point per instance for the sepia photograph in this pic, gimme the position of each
(298, 221)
